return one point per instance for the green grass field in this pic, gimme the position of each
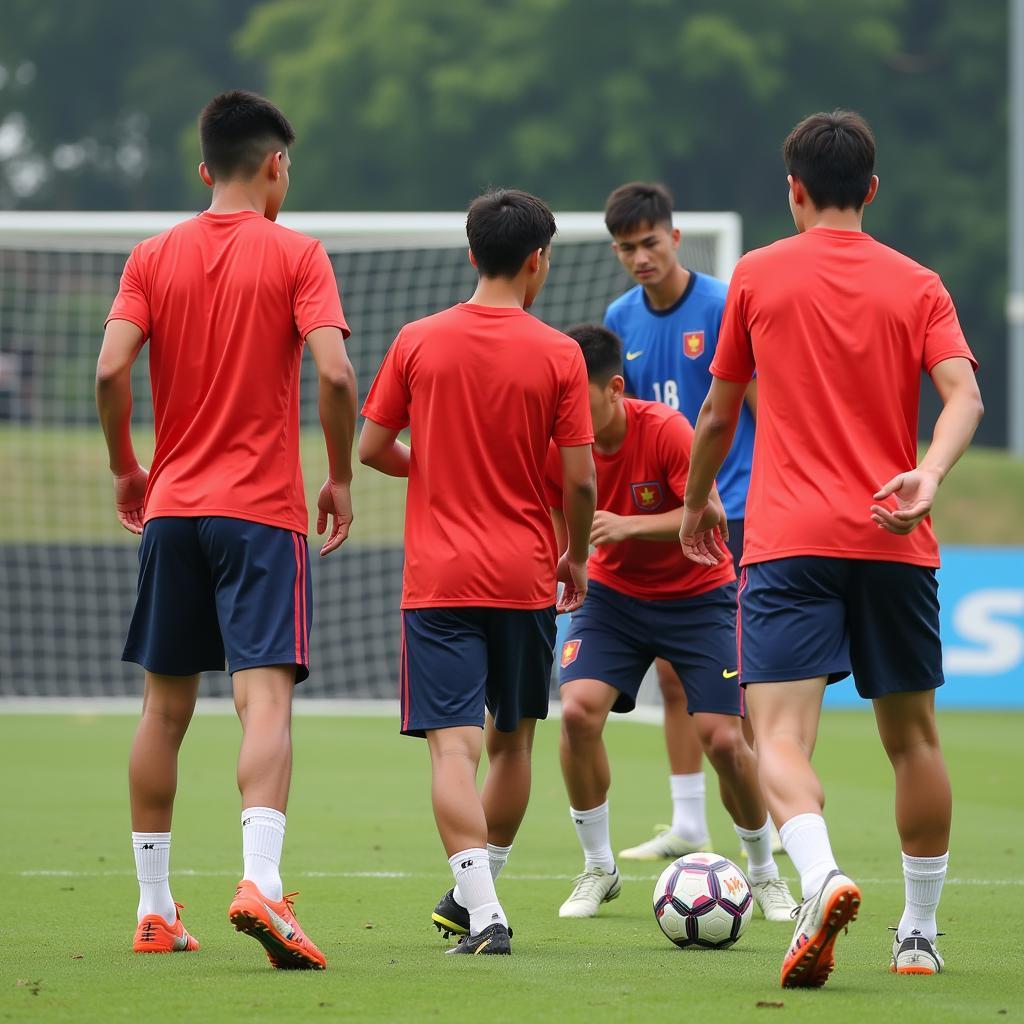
(362, 848)
(980, 503)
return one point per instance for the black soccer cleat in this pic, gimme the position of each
(449, 916)
(492, 941)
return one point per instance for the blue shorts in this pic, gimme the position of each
(212, 586)
(614, 638)
(458, 661)
(735, 542)
(805, 617)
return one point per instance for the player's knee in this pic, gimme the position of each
(579, 720)
(723, 743)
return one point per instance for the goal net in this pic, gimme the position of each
(68, 570)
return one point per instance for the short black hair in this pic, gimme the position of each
(237, 130)
(602, 351)
(504, 226)
(637, 204)
(833, 156)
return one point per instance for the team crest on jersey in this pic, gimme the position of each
(570, 649)
(693, 344)
(647, 496)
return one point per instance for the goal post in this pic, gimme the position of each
(68, 570)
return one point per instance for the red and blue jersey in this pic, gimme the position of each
(667, 357)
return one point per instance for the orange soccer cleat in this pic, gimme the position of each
(272, 923)
(155, 935)
(819, 920)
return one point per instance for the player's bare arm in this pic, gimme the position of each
(579, 499)
(122, 342)
(610, 528)
(338, 419)
(380, 449)
(751, 398)
(712, 439)
(914, 491)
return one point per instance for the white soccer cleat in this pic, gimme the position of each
(666, 845)
(589, 890)
(915, 955)
(774, 899)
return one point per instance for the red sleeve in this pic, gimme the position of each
(389, 398)
(675, 442)
(943, 337)
(734, 354)
(572, 417)
(316, 302)
(553, 477)
(132, 302)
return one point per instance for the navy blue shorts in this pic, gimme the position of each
(458, 661)
(614, 638)
(805, 617)
(735, 542)
(213, 586)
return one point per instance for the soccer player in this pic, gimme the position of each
(226, 300)
(669, 324)
(484, 388)
(646, 601)
(840, 558)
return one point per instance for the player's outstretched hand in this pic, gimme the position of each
(573, 576)
(129, 495)
(914, 493)
(336, 501)
(703, 533)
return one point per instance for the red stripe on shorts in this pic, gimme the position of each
(305, 621)
(739, 638)
(403, 682)
(298, 587)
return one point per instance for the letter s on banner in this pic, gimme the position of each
(979, 617)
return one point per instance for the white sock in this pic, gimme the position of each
(594, 836)
(923, 878)
(473, 880)
(152, 867)
(262, 839)
(497, 857)
(760, 863)
(805, 838)
(689, 817)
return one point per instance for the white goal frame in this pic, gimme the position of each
(340, 232)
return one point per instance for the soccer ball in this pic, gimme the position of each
(703, 900)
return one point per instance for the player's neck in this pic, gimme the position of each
(237, 197)
(610, 438)
(834, 219)
(669, 291)
(500, 292)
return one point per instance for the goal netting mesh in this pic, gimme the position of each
(68, 570)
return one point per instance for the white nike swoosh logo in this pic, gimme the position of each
(634, 355)
(282, 926)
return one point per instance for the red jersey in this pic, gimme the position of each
(647, 475)
(226, 301)
(839, 328)
(484, 391)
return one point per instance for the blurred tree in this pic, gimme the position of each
(96, 98)
(401, 104)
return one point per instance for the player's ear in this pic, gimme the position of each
(204, 175)
(472, 258)
(274, 166)
(617, 387)
(872, 189)
(533, 261)
(676, 237)
(796, 189)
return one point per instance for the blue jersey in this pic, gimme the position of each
(666, 357)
